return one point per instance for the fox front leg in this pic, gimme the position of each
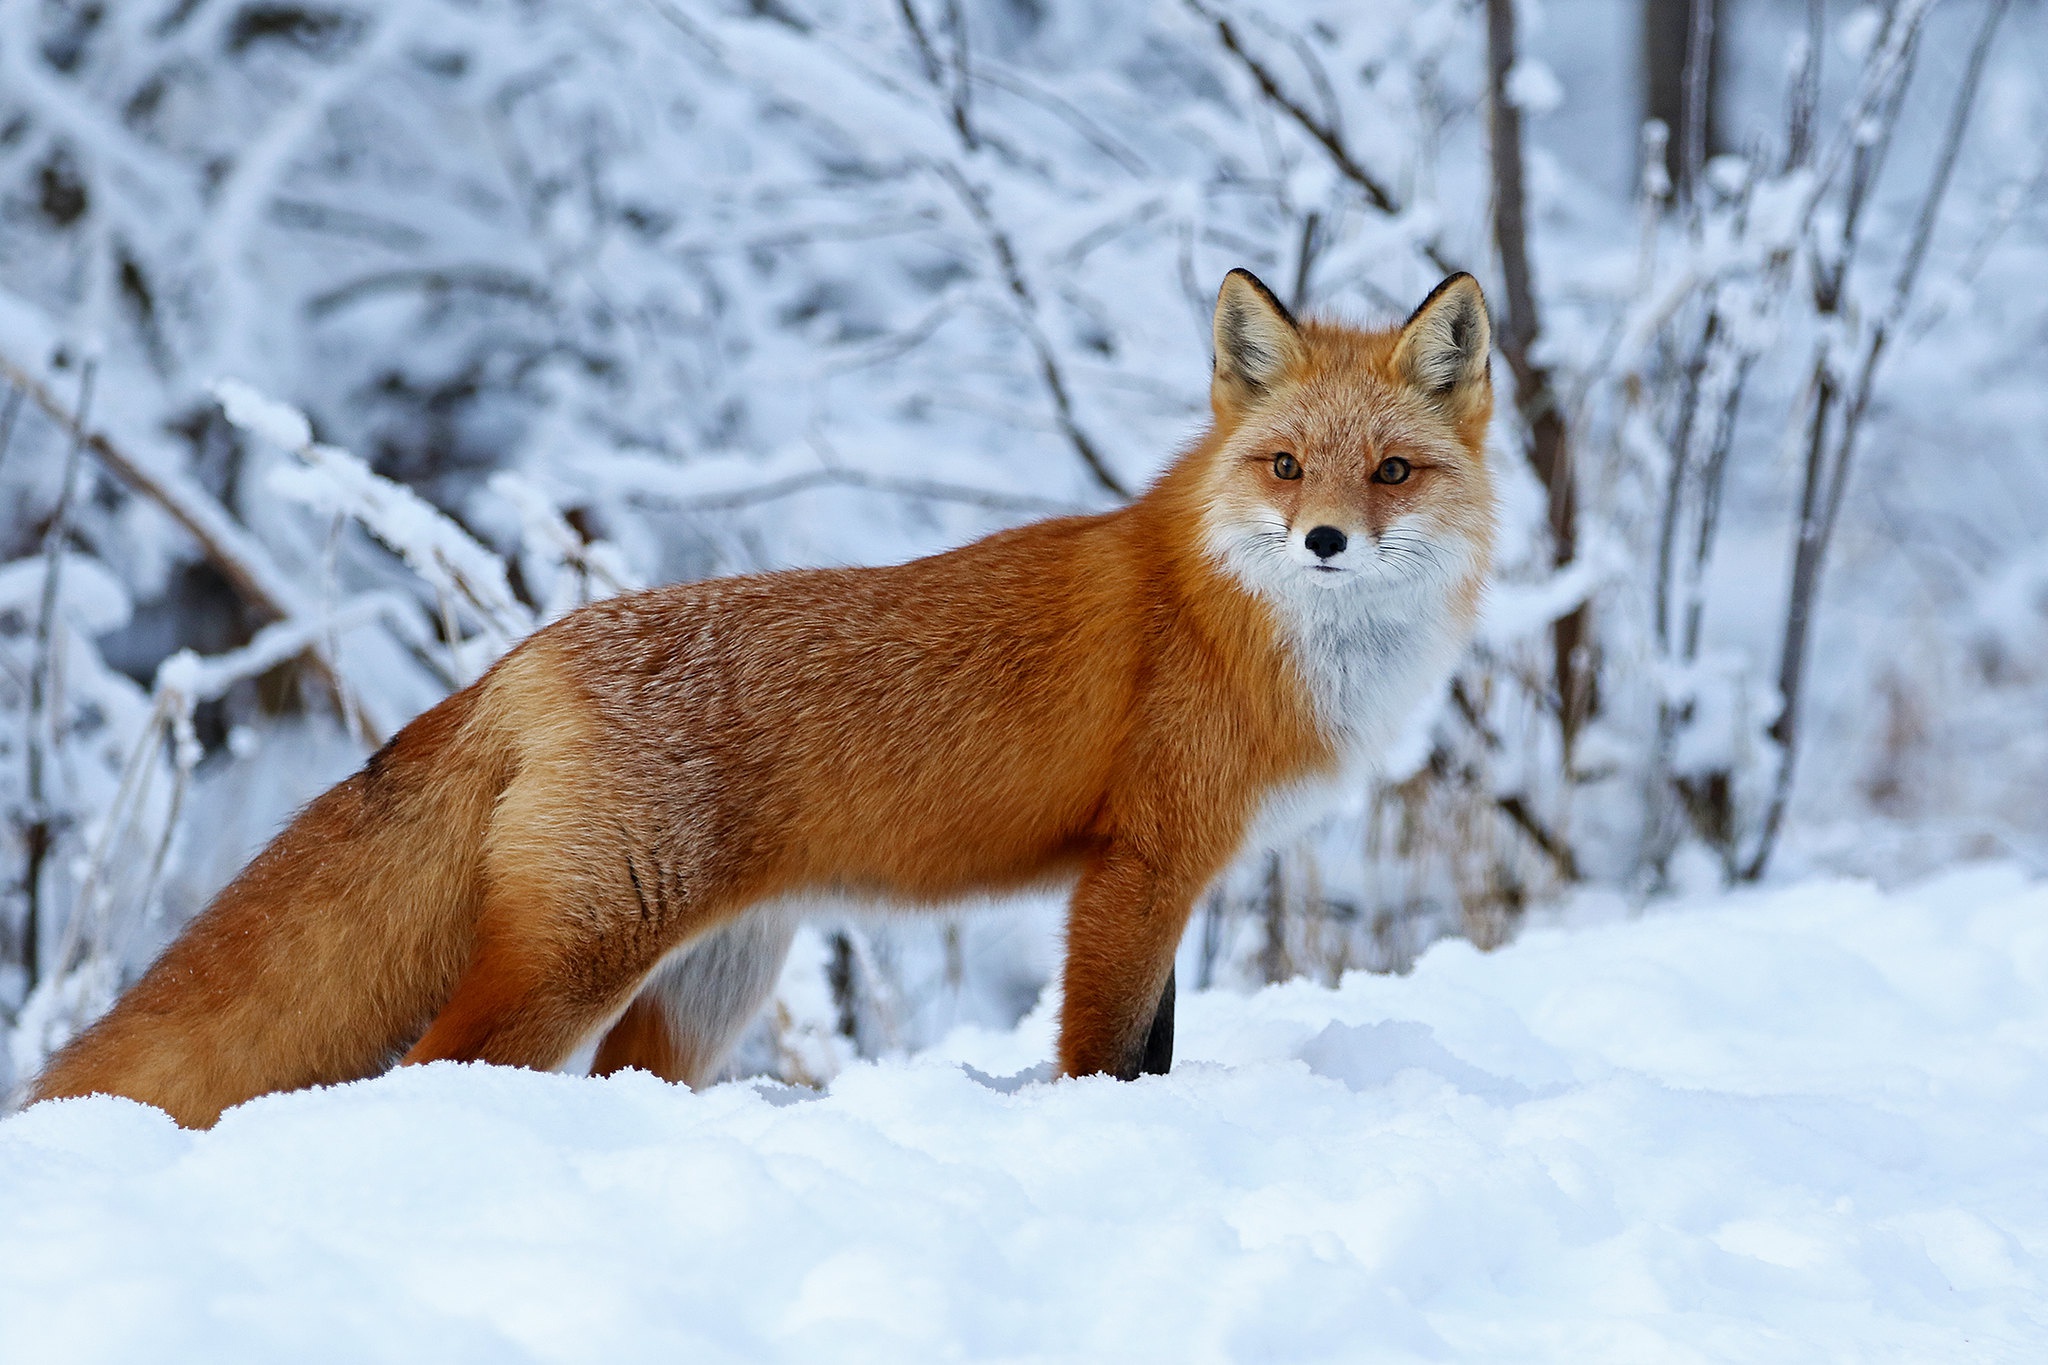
(1122, 929)
(1159, 1042)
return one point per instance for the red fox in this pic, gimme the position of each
(615, 828)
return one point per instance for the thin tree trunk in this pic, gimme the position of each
(1536, 397)
(1671, 48)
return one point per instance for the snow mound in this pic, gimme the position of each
(1803, 1124)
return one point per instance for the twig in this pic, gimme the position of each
(853, 478)
(963, 117)
(1885, 76)
(1325, 135)
(1681, 460)
(1554, 847)
(185, 752)
(1098, 137)
(7, 419)
(1712, 484)
(1559, 852)
(1027, 311)
(45, 723)
(1803, 100)
(130, 797)
(999, 240)
(1375, 193)
(920, 41)
(480, 279)
(1698, 84)
(1305, 260)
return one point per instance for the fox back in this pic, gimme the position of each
(612, 832)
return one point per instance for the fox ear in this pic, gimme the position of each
(1443, 345)
(1257, 341)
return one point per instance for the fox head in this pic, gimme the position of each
(1348, 460)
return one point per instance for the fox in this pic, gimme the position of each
(614, 832)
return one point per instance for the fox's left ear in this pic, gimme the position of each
(1444, 345)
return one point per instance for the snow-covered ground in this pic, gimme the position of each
(1796, 1125)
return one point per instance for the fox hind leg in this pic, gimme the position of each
(695, 1006)
(526, 1001)
(564, 938)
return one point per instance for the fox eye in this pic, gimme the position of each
(1285, 466)
(1393, 469)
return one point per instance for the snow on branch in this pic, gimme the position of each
(330, 479)
(239, 557)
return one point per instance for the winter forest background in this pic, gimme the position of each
(581, 296)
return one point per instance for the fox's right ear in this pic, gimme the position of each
(1257, 342)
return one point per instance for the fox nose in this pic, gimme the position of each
(1324, 541)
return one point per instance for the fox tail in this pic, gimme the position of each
(330, 953)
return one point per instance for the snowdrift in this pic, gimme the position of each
(1797, 1125)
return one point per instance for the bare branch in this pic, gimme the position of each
(963, 117)
(479, 279)
(1305, 259)
(938, 491)
(8, 417)
(920, 41)
(45, 702)
(1945, 163)
(1325, 134)
(1027, 316)
(999, 243)
(1340, 156)
(1698, 88)
(1803, 100)
(1066, 111)
(1554, 848)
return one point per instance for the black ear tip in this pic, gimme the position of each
(1451, 281)
(1258, 287)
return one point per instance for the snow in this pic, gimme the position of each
(280, 424)
(1534, 87)
(1790, 1125)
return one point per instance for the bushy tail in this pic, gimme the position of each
(331, 951)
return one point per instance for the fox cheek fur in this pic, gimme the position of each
(611, 834)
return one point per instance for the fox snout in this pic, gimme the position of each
(1327, 549)
(1324, 542)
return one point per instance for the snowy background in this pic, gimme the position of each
(342, 342)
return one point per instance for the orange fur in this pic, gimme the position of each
(1117, 699)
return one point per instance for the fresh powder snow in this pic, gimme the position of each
(1808, 1123)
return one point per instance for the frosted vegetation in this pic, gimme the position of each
(343, 342)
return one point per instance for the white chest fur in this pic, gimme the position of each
(1369, 659)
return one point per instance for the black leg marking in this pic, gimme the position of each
(1159, 1042)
